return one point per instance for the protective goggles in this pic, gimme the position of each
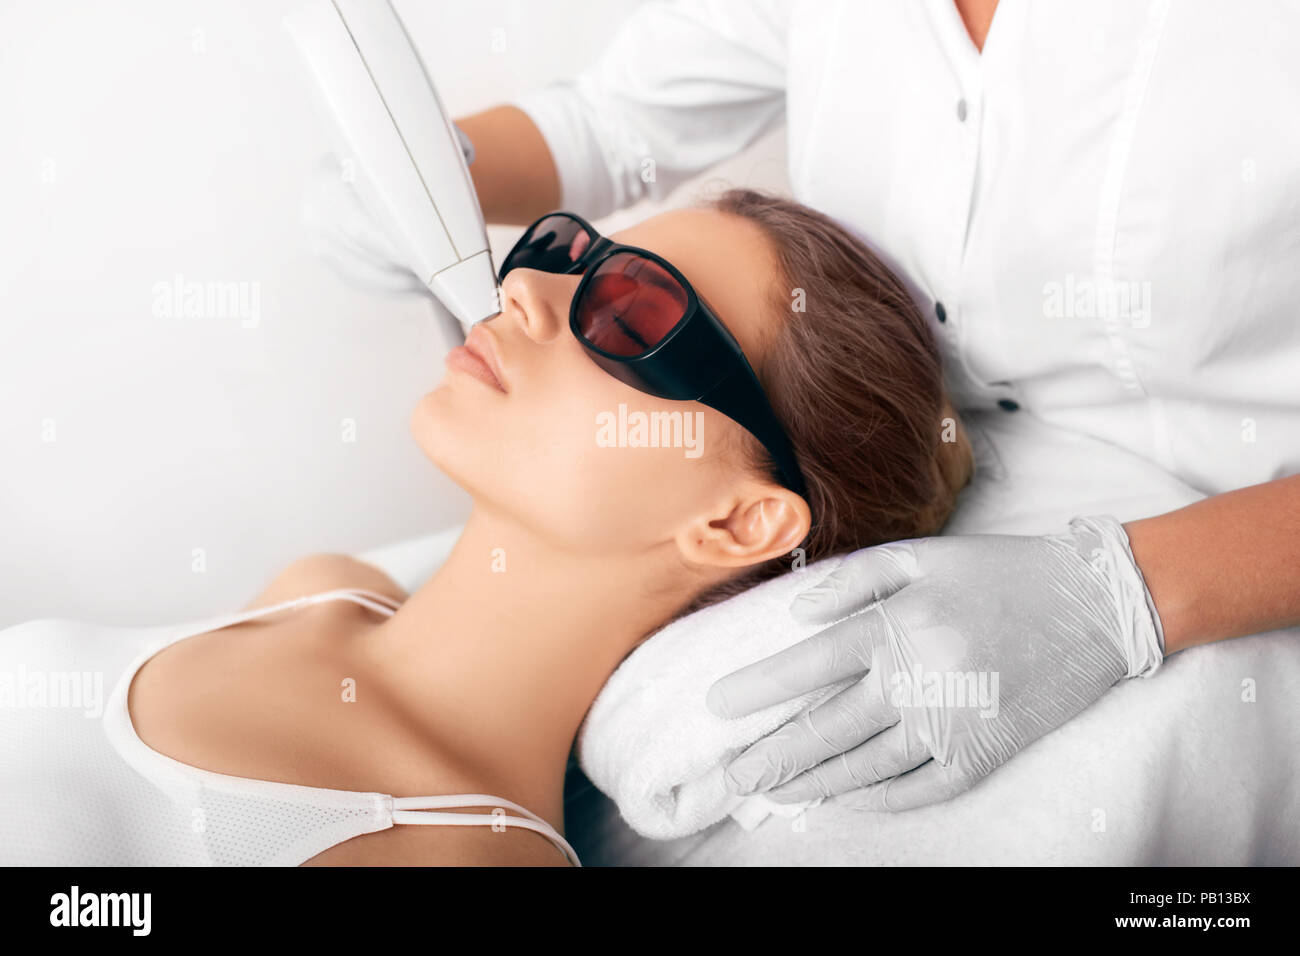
(643, 323)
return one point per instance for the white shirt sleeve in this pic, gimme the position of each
(682, 86)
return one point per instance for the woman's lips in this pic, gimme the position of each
(477, 357)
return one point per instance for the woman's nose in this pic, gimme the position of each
(538, 301)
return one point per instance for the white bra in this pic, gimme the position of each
(369, 811)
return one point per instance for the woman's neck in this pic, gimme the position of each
(500, 654)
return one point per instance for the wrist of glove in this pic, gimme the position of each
(1139, 634)
(967, 649)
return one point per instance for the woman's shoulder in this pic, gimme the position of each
(326, 572)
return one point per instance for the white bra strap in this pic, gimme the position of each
(369, 599)
(416, 810)
(362, 596)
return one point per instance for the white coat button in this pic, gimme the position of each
(961, 110)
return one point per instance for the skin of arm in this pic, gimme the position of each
(513, 171)
(1224, 567)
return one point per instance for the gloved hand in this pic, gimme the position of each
(347, 235)
(978, 646)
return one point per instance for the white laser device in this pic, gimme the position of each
(405, 155)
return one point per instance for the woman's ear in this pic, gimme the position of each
(765, 522)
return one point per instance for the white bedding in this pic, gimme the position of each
(1197, 765)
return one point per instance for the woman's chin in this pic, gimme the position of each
(440, 429)
(430, 421)
(442, 407)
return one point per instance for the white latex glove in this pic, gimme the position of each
(978, 646)
(347, 235)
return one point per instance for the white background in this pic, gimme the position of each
(146, 139)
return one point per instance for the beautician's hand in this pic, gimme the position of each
(978, 646)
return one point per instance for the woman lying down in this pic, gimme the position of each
(341, 721)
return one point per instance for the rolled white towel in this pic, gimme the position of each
(650, 743)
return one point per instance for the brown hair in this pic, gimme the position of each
(856, 380)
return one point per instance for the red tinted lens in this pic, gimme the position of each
(553, 245)
(629, 304)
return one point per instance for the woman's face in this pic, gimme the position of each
(558, 450)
